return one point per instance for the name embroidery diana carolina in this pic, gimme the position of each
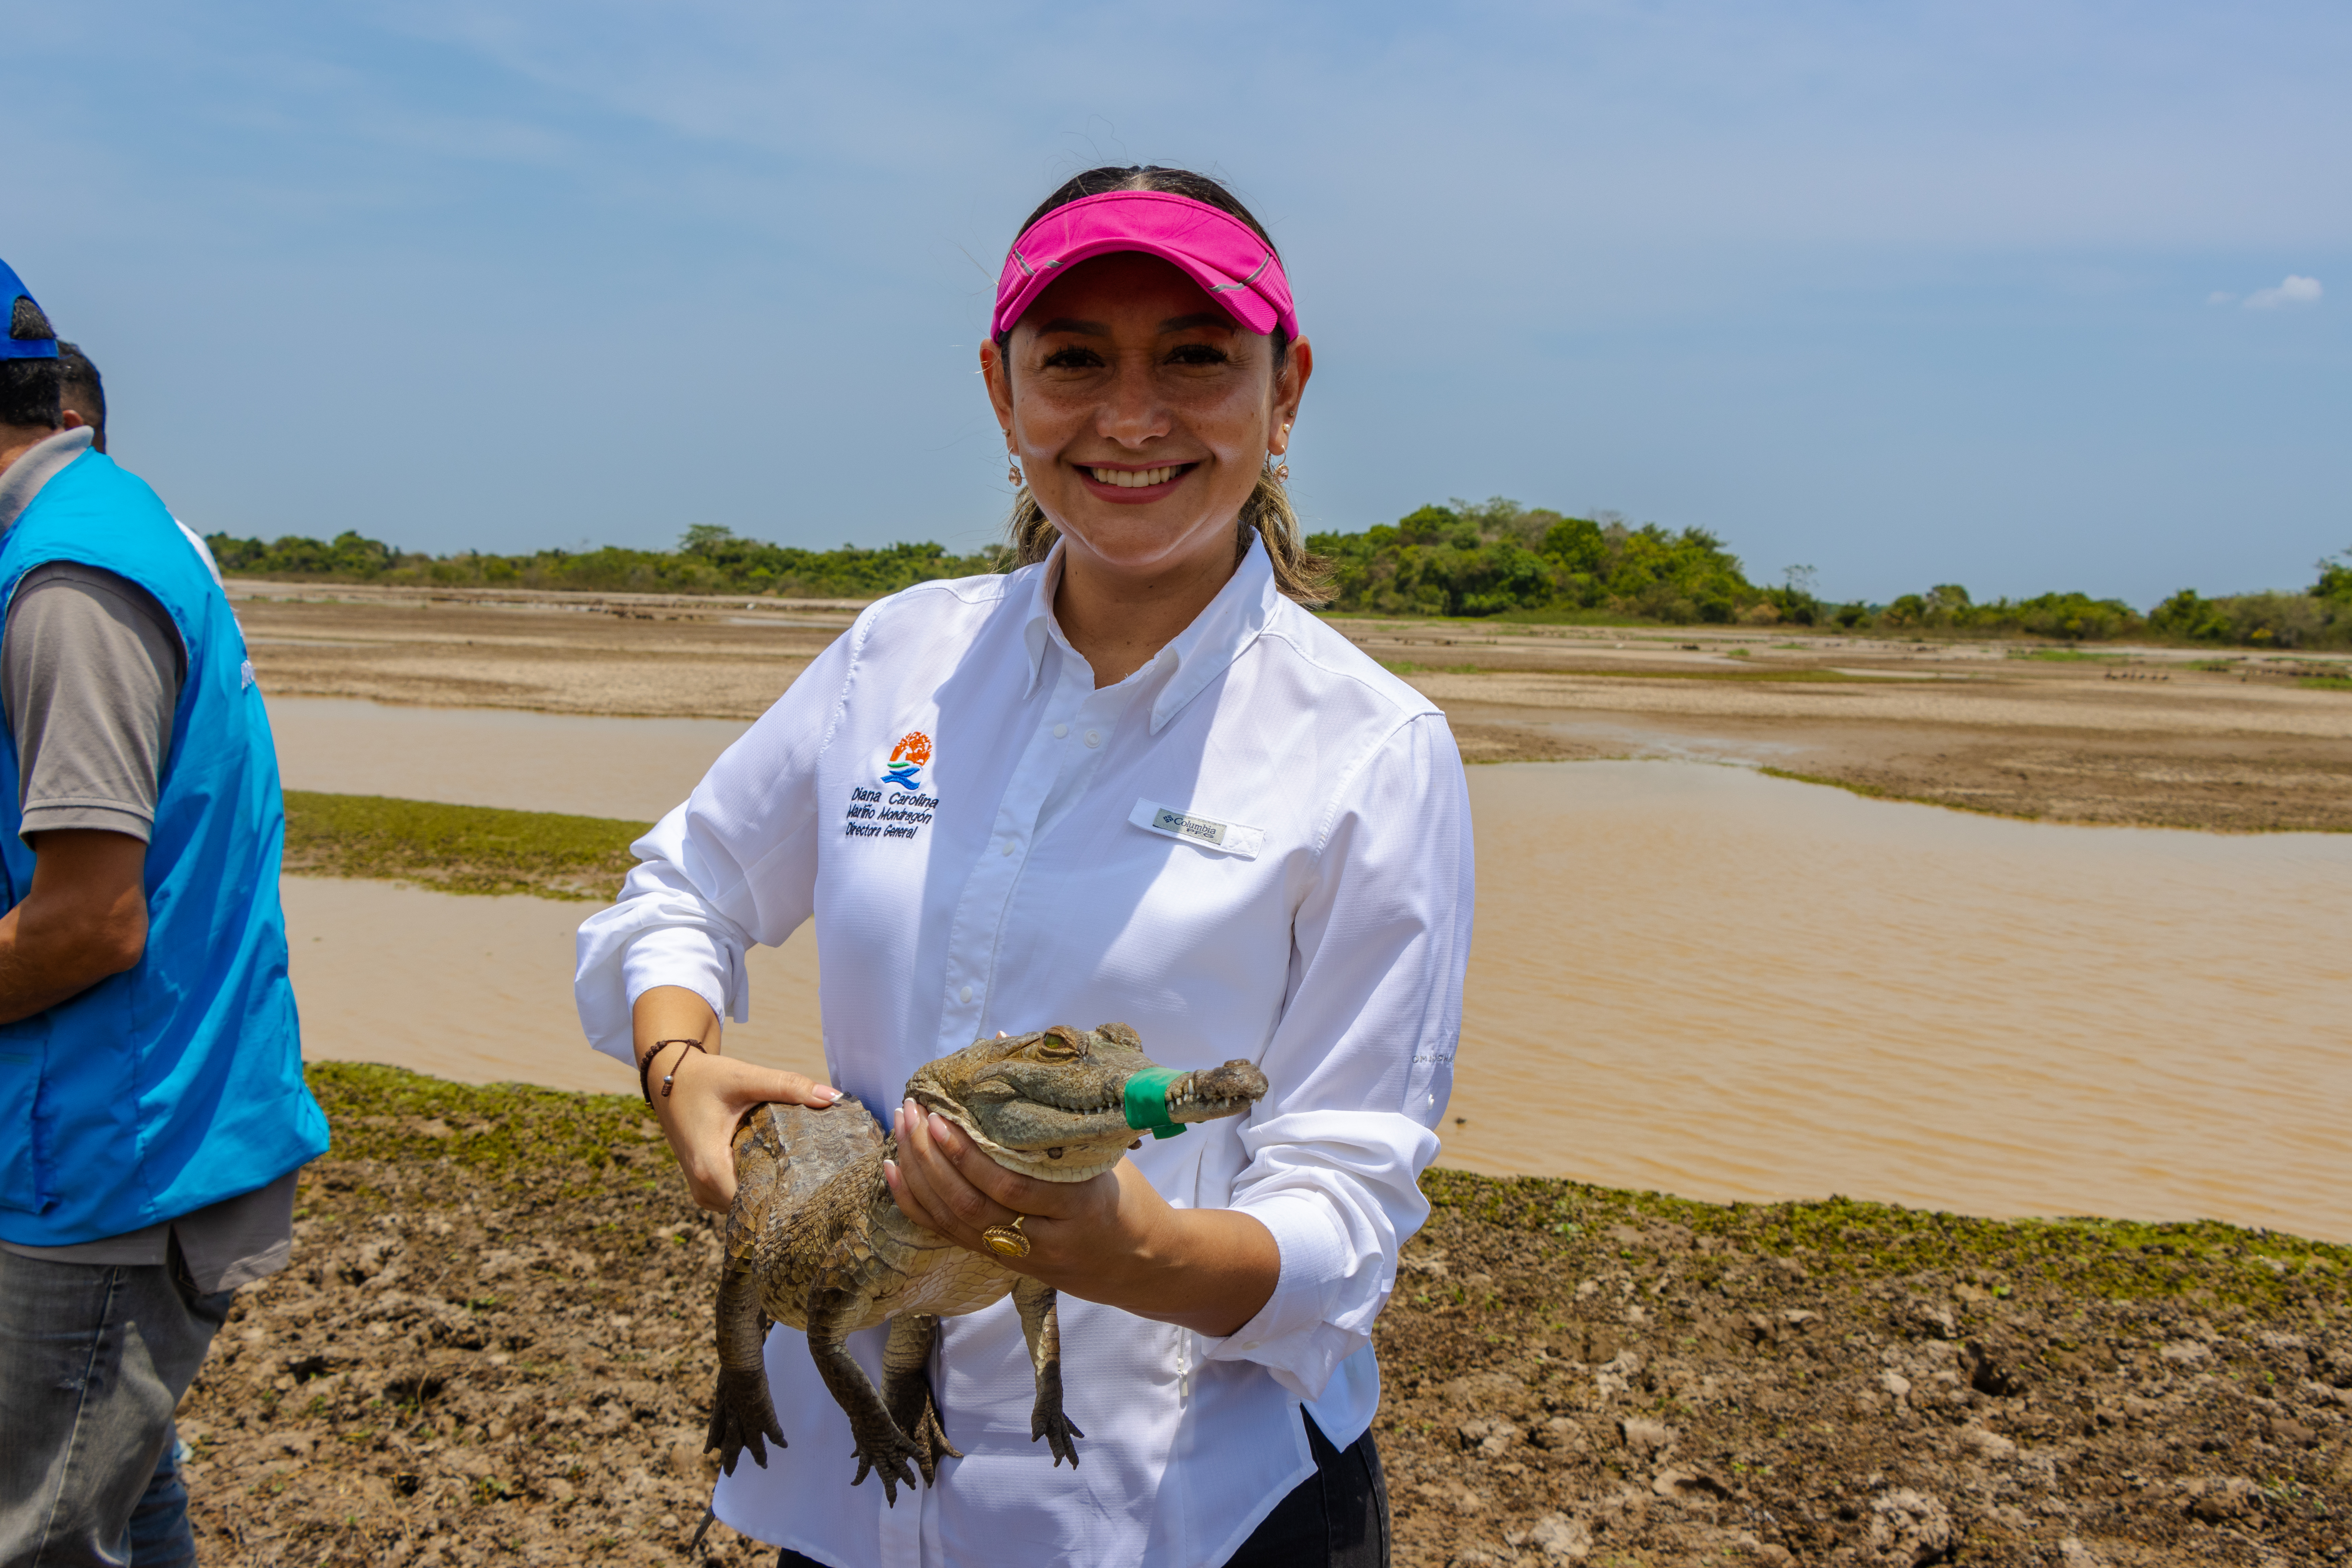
(900, 807)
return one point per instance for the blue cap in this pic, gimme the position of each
(23, 317)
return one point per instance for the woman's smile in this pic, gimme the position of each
(1128, 484)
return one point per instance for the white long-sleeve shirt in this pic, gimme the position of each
(1258, 846)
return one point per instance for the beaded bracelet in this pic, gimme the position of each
(646, 1068)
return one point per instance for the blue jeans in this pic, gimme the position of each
(93, 1361)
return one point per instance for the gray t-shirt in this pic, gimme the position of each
(91, 671)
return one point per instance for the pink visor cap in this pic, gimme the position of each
(1215, 249)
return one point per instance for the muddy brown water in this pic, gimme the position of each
(1687, 977)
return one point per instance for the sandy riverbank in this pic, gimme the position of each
(2141, 737)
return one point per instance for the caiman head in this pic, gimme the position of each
(1063, 1103)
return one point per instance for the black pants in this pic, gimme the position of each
(1336, 1517)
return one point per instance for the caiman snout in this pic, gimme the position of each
(1211, 1092)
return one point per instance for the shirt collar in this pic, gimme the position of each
(1195, 655)
(23, 480)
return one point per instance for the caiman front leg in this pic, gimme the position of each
(742, 1414)
(906, 1390)
(881, 1447)
(1041, 1325)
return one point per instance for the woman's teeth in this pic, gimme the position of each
(1136, 478)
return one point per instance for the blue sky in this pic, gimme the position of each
(1910, 293)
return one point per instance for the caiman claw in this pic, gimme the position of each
(1060, 1434)
(742, 1416)
(886, 1452)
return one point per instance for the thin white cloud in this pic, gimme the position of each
(2220, 297)
(2295, 290)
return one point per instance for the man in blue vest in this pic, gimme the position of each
(153, 1113)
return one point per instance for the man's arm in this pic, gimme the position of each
(85, 918)
(91, 668)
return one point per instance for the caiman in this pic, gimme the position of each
(814, 1239)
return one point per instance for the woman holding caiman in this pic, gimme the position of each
(1131, 779)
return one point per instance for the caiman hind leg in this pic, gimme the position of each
(881, 1446)
(906, 1390)
(1041, 1325)
(742, 1416)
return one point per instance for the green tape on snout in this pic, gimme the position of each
(1147, 1102)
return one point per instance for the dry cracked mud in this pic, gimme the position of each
(494, 1346)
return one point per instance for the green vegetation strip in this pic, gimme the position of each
(2114, 1259)
(514, 1135)
(503, 1133)
(1812, 677)
(2326, 682)
(458, 848)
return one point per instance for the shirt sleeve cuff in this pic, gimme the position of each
(1283, 1335)
(74, 817)
(679, 955)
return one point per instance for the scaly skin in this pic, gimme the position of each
(814, 1239)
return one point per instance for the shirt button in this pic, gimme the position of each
(1094, 736)
(1008, 847)
(965, 994)
(1061, 731)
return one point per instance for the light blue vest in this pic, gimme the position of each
(179, 1082)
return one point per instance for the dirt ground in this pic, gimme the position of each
(495, 1346)
(2147, 737)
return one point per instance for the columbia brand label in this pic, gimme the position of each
(1224, 838)
(895, 805)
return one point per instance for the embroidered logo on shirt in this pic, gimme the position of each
(901, 807)
(913, 749)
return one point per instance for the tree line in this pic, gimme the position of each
(1492, 558)
(708, 560)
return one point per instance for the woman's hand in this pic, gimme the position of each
(1111, 1239)
(708, 1093)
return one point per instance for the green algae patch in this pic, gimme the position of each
(1806, 676)
(503, 1135)
(1846, 1240)
(509, 1132)
(458, 848)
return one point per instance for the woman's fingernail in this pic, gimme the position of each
(831, 1095)
(890, 1171)
(939, 1129)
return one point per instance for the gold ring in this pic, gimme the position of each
(1007, 1240)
